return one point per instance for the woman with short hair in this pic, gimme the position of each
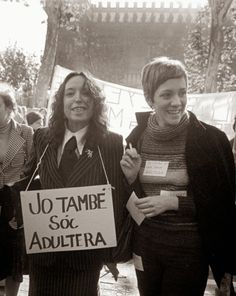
(183, 172)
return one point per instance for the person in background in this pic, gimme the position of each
(15, 145)
(34, 119)
(43, 111)
(78, 129)
(182, 171)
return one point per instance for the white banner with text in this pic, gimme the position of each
(217, 109)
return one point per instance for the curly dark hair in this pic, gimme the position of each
(98, 124)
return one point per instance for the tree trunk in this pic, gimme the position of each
(219, 9)
(53, 9)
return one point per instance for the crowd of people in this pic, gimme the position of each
(180, 171)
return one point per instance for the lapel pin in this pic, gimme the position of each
(89, 153)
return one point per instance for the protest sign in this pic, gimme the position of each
(67, 219)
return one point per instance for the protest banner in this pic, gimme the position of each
(217, 109)
(68, 219)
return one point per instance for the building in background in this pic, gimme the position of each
(121, 38)
(115, 39)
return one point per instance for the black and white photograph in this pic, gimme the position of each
(117, 148)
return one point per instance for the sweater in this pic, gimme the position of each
(211, 171)
(167, 146)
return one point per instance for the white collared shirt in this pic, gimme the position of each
(79, 139)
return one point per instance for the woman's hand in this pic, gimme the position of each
(130, 164)
(155, 205)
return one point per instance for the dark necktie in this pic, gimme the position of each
(68, 159)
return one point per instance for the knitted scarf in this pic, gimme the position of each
(166, 133)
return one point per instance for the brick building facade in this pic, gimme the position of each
(124, 37)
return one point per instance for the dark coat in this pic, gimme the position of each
(210, 167)
(87, 171)
(231, 142)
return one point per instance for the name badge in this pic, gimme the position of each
(179, 193)
(156, 168)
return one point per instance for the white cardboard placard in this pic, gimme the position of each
(68, 219)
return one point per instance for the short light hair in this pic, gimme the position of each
(157, 71)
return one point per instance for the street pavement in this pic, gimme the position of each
(126, 284)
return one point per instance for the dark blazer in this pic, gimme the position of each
(87, 171)
(210, 166)
(231, 142)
